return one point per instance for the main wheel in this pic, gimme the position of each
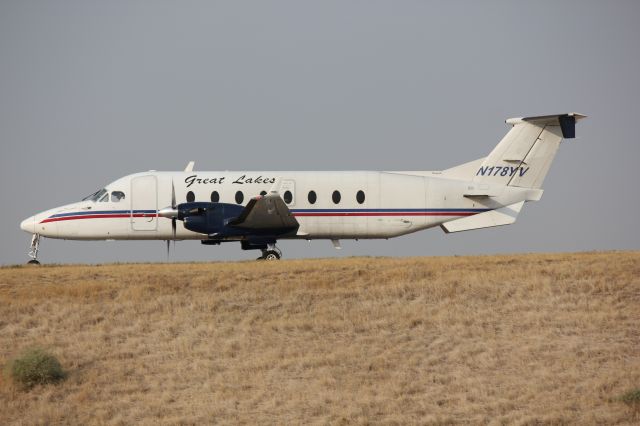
(271, 255)
(33, 262)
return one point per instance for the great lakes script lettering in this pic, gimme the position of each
(190, 180)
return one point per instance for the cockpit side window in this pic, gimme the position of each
(96, 195)
(105, 197)
(116, 196)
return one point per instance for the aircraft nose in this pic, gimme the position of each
(29, 225)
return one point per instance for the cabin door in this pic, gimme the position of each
(144, 203)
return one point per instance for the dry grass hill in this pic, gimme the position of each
(521, 339)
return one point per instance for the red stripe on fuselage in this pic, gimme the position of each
(388, 214)
(98, 216)
(339, 214)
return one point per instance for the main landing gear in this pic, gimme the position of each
(33, 250)
(271, 253)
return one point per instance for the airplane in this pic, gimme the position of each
(259, 208)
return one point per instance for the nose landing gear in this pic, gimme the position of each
(33, 250)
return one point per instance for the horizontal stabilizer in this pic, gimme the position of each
(566, 121)
(502, 216)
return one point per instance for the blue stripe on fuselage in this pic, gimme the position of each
(105, 212)
(388, 210)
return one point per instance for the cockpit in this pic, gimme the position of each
(102, 196)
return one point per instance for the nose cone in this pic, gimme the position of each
(29, 225)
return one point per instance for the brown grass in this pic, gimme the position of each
(524, 339)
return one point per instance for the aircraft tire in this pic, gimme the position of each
(33, 262)
(271, 255)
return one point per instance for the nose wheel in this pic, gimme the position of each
(33, 250)
(271, 253)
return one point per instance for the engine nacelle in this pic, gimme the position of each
(208, 218)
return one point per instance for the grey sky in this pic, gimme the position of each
(92, 91)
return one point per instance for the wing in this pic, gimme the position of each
(265, 213)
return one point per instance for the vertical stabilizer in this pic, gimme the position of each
(524, 155)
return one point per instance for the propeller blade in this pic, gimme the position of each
(173, 195)
(171, 212)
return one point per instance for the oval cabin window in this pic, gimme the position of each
(239, 197)
(215, 197)
(190, 197)
(312, 197)
(336, 197)
(360, 197)
(263, 193)
(116, 196)
(288, 197)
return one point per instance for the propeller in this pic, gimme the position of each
(174, 207)
(171, 213)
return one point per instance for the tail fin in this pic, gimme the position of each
(524, 155)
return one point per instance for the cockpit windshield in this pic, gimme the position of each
(95, 196)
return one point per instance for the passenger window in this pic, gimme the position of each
(116, 196)
(360, 197)
(336, 197)
(190, 197)
(263, 193)
(288, 197)
(239, 197)
(312, 197)
(215, 197)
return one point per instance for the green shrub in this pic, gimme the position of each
(632, 397)
(35, 367)
(632, 400)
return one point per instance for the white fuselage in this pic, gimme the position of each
(395, 203)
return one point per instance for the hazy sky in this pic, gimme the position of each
(92, 91)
